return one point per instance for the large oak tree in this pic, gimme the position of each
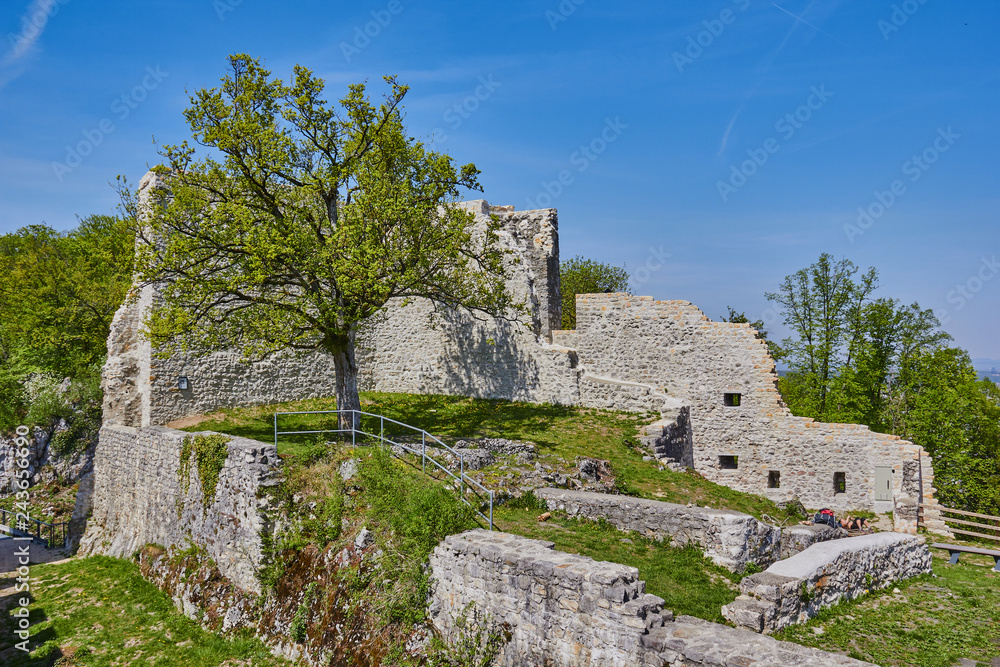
(291, 221)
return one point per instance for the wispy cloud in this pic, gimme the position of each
(33, 23)
(769, 62)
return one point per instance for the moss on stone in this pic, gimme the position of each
(208, 453)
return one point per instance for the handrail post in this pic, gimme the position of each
(423, 452)
(354, 429)
(275, 430)
(461, 478)
(491, 510)
(381, 430)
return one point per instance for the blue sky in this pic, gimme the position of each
(710, 147)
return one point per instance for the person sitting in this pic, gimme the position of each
(856, 523)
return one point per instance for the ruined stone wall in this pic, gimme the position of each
(139, 498)
(794, 590)
(566, 610)
(627, 353)
(411, 347)
(673, 347)
(730, 539)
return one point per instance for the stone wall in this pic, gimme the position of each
(730, 539)
(794, 590)
(565, 610)
(675, 349)
(629, 353)
(139, 499)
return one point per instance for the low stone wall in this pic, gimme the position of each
(730, 539)
(796, 589)
(139, 499)
(797, 538)
(566, 610)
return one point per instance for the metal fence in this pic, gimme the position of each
(404, 436)
(18, 524)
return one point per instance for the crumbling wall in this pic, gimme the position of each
(139, 498)
(564, 610)
(794, 590)
(674, 348)
(731, 539)
(411, 347)
(628, 353)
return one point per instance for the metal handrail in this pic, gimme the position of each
(461, 478)
(19, 525)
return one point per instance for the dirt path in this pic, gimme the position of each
(36, 554)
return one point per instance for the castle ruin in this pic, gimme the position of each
(713, 384)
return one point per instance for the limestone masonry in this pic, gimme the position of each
(139, 499)
(713, 384)
(565, 610)
(796, 589)
(730, 539)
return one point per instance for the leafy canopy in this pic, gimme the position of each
(302, 219)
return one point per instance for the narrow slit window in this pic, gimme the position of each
(728, 462)
(732, 400)
(774, 479)
(839, 482)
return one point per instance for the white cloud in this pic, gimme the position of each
(32, 25)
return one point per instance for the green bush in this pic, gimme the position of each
(418, 513)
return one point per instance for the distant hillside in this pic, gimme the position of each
(988, 368)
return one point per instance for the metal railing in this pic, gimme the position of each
(18, 524)
(465, 484)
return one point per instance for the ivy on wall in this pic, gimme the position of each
(208, 453)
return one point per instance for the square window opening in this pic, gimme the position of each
(774, 479)
(728, 462)
(732, 400)
(839, 482)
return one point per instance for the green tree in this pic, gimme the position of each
(586, 276)
(58, 294)
(303, 219)
(955, 416)
(823, 306)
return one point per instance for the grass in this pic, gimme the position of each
(100, 611)
(933, 621)
(688, 582)
(561, 434)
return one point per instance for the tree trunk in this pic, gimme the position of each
(346, 364)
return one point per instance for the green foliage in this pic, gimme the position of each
(81, 432)
(477, 643)
(822, 306)
(586, 276)
(527, 501)
(58, 294)
(208, 453)
(303, 219)
(418, 513)
(300, 622)
(877, 362)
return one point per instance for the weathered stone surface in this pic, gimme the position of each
(139, 499)
(565, 610)
(730, 539)
(44, 464)
(794, 590)
(628, 352)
